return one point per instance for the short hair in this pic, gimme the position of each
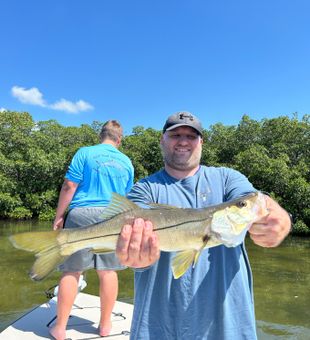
(112, 130)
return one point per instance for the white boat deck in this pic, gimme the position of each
(83, 321)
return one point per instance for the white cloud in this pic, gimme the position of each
(33, 96)
(66, 105)
(2, 109)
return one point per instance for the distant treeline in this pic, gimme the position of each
(34, 156)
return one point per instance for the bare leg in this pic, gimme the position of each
(108, 290)
(67, 291)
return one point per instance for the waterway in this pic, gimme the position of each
(281, 284)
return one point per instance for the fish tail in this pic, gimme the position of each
(45, 263)
(35, 241)
(47, 248)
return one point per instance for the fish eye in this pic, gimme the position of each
(241, 204)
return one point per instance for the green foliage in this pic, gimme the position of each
(8, 203)
(219, 144)
(142, 147)
(20, 213)
(273, 153)
(300, 228)
(34, 157)
(47, 214)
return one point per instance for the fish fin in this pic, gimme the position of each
(47, 248)
(118, 205)
(206, 244)
(161, 206)
(46, 263)
(197, 256)
(182, 261)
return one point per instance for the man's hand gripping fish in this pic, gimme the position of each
(184, 231)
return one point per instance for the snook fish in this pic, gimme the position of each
(184, 231)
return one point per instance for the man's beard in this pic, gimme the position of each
(181, 163)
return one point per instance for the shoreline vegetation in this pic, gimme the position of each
(273, 153)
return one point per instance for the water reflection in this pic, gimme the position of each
(281, 287)
(281, 284)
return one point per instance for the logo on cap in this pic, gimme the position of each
(186, 115)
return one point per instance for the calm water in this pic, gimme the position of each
(281, 284)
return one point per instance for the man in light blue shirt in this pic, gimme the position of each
(94, 173)
(214, 300)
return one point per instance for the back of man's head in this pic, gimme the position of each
(111, 130)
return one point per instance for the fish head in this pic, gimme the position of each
(231, 223)
(227, 224)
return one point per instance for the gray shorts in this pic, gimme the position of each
(85, 259)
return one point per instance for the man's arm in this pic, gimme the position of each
(66, 193)
(271, 230)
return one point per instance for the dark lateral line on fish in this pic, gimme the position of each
(158, 229)
(177, 225)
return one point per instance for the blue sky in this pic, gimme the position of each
(139, 61)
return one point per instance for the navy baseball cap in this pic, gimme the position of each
(183, 119)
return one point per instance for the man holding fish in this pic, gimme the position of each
(214, 298)
(183, 230)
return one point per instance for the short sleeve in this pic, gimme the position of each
(76, 167)
(236, 184)
(140, 194)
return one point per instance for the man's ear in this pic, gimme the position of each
(119, 141)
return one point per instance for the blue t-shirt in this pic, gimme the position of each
(99, 170)
(211, 301)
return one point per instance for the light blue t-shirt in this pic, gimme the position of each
(99, 170)
(211, 301)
